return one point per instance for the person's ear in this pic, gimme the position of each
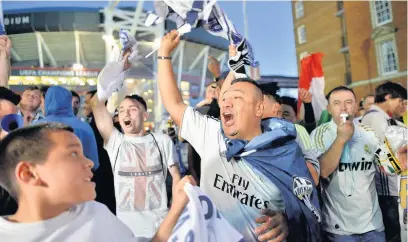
(260, 109)
(26, 173)
(276, 108)
(145, 116)
(329, 109)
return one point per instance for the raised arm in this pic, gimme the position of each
(169, 92)
(5, 48)
(226, 83)
(103, 119)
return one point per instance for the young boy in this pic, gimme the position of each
(44, 168)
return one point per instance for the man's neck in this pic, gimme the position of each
(30, 210)
(26, 112)
(139, 134)
(252, 135)
(383, 106)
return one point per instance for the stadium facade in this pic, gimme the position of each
(69, 46)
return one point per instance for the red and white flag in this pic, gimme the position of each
(311, 78)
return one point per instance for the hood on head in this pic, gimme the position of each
(58, 101)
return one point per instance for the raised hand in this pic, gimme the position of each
(345, 131)
(180, 198)
(169, 42)
(305, 95)
(5, 46)
(232, 50)
(214, 66)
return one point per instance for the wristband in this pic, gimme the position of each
(164, 57)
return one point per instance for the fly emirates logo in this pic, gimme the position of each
(232, 189)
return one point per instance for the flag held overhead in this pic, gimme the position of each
(312, 78)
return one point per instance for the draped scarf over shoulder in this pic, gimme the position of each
(277, 156)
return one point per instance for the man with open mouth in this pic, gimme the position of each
(247, 165)
(140, 162)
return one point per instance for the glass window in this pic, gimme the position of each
(382, 12)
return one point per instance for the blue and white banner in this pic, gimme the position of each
(202, 222)
(206, 14)
(186, 12)
(112, 76)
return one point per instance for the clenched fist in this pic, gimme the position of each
(180, 197)
(232, 51)
(345, 131)
(214, 66)
(5, 46)
(169, 42)
(305, 95)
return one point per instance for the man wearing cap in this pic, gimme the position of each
(8, 102)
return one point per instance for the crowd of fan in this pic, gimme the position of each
(65, 157)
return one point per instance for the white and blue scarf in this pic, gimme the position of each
(277, 156)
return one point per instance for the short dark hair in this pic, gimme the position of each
(271, 89)
(340, 88)
(92, 93)
(290, 101)
(31, 88)
(212, 83)
(44, 90)
(247, 80)
(360, 105)
(74, 94)
(9, 95)
(30, 143)
(138, 99)
(393, 89)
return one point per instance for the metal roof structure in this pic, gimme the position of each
(58, 38)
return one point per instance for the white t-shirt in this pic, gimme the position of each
(239, 192)
(87, 222)
(139, 170)
(350, 203)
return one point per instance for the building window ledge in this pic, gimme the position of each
(339, 13)
(389, 73)
(378, 79)
(344, 49)
(383, 30)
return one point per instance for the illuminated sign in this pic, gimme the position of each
(18, 20)
(62, 73)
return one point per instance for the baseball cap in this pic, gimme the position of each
(9, 95)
